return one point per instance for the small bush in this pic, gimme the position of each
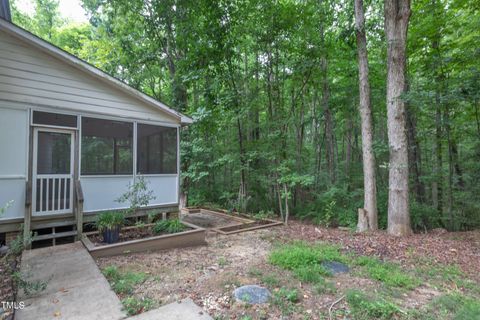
(168, 226)
(364, 307)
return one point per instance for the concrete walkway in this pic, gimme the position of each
(77, 290)
(182, 310)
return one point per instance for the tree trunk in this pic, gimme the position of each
(397, 14)
(369, 178)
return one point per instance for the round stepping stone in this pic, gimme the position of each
(252, 294)
(335, 267)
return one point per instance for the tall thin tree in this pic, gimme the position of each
(397, 15)
(369, 178)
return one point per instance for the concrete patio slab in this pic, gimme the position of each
(185, 309)
(76, 288)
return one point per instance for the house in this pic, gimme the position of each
(72, 138)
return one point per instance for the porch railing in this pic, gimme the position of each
(53, 194)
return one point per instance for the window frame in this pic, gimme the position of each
(80, 134)
(173, 126)
(76, 128)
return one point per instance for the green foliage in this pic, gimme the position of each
(137, 196)
(299, 255)
(311, 274)
(135, 306)
(363, 307)
(30, 288)
(262, 101)
(123, 282)
(270, 280)
(168, 226)
(456, 306)
(5, 207)
(109, 220)
(285, 299)
(388, 273)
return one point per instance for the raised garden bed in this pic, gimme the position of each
(222, 222)
(141, 238)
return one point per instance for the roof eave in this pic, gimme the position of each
(78, 63)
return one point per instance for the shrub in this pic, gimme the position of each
(168, 226)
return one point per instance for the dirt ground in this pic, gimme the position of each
(209, 274)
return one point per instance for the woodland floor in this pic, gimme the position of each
(444, 267)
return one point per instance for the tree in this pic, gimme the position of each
(397, 15)
(369, 179)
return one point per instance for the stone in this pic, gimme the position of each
(335, 267)
(252, 294)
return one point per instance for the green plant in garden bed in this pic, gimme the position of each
(110, 220)
(109, 224)
(123, 282)
(169, 226)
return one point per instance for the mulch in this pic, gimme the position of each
(439, 246)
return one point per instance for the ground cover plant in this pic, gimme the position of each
(124, 283)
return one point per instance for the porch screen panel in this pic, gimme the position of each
(107, 147)
(156, 149)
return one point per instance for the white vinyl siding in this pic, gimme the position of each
(30, 76)
(13, 159)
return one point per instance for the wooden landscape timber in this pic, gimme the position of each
(189, 238)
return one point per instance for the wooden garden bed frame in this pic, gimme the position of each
(189, 238)
(238, 220)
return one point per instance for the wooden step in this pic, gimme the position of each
(53, 224)
(55, 235)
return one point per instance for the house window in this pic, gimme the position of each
(54, 119)
(106, 147)
(156, 149)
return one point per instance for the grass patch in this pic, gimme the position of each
(363, 307)
(123, 282)
(305, 261)
(285, 299)
(270, 280)
(135, 306)
(311, 274)
(388, 273)
(299, 254)
(457, 307)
